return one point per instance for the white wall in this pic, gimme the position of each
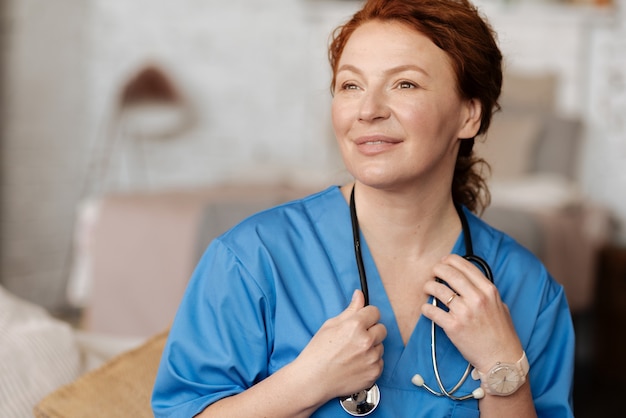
(586, 47)
(604, 170)
(257, 74)
(44, 128)
(255, 71)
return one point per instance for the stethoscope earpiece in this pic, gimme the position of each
(418, 381)
(478, 393)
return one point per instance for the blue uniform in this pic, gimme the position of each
(264, 288)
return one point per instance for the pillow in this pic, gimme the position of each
(120, 388)
(38, 353)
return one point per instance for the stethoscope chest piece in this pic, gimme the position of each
(361, 403)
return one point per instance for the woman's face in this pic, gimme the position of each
(396, 111)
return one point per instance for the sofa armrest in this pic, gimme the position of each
(121, 387)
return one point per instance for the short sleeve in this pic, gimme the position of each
(542, 319)
(221, 320)
(551, 352)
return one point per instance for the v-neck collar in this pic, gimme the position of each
(399, 358)
(401, 362)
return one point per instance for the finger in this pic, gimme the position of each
(457, 278)
(437, 315)
(366, 315)
(439, 290)
(379, 332)
(357, 302)
(471, 271)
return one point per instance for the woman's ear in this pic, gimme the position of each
(472, 118)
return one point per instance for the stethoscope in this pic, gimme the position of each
(364, 402)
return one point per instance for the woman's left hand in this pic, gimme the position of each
(477, 322)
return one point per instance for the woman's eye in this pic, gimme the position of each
(349, 86)
(406, 85)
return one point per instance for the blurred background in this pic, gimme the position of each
(132, 132)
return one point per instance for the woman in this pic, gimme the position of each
(274, 322)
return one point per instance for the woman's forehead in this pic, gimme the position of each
(393, 44)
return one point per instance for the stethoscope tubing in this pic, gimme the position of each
(357, 249)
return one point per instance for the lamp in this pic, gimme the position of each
(151, 107)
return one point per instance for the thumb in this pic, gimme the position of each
(357, 302)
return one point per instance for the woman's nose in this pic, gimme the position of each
(374, 106)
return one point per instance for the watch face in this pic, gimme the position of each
(504, 380)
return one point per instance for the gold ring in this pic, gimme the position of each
(451, 299)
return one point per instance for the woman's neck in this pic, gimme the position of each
(410, 223)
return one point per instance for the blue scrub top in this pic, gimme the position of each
(264, 288)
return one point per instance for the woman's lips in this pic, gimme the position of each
(370, 145)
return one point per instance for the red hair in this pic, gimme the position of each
(457, 28)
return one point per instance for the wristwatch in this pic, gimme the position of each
(503, 379)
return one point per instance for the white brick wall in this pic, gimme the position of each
(256, 72)
(43, 130)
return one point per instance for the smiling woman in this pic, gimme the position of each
(331, 304)
(388, 71)
(473, 56)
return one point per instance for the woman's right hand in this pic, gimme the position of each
(342, 358)
(345, 355)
